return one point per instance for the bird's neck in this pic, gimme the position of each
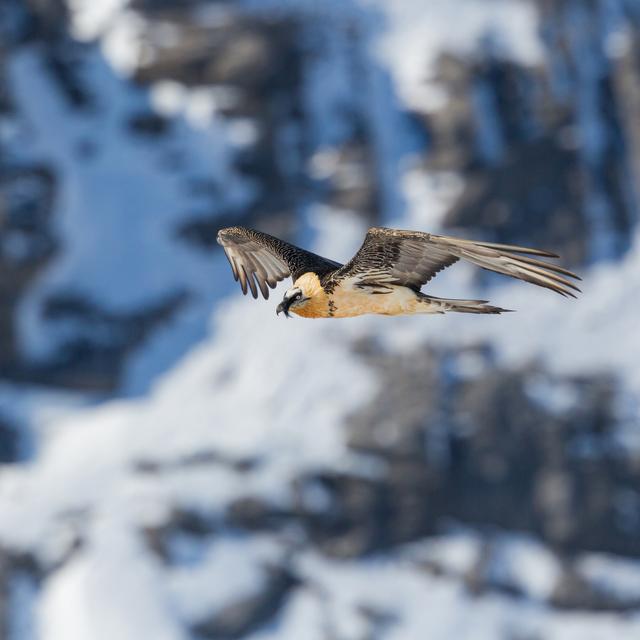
(318, 303)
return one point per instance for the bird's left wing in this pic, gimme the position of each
(259, 260)
(412, 258)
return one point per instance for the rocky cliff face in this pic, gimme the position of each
(260, 490)
(562, 151)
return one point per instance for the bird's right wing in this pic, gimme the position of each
(259, 260)
(412, 258)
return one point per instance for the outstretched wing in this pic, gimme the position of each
(259, 260)
(412, 258)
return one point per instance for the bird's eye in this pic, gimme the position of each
(298, 295)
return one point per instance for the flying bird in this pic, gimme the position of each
(385, 275)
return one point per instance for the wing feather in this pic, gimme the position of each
(413, 258)
(259, 261)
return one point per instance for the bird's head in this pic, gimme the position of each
(294, 298)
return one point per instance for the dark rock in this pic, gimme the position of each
(261, 66)
(245, 616)
(490, 449)
(202, 232)
(352, 182)
(14, 24)
(574, 592)
(148, 124)
(64, 61)
(237, 50)
(379, 620)
(10, 443)
(4, 595)
(167, 538)
(50, 19)
(346, 527)
(16, 567)
(27, 242)
(253, 514)
(204, 458)
(92, 359)
(27, 197)
(539, 180)
(535, 172)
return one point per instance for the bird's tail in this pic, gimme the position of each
(443, 305)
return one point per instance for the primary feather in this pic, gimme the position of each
(259, 260)
(412, 258)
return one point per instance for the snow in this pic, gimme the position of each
(92, 597)
(122, 42)
(618, 577)
(427, 198)
(527, 565)
(304, 614)
(91, 18)
(89, 465)
(456, 552)
(510, 560)
(234, 565)
(558, 397)
(119, 30)
(416, 37)
(420, 606)
(89, 460)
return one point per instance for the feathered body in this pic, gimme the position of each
(385, 275)
(349, 300)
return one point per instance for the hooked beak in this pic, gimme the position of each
(283, 307)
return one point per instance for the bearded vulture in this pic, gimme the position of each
(383, 277)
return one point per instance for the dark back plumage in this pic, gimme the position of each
(260, 261)
(389, 256)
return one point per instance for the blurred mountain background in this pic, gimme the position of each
(176, 463)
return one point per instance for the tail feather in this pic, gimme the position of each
(463, 306)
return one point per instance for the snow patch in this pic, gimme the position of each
(418, 33)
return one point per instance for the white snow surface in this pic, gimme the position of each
(240, 384)
(612, 575)
(418, 605)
